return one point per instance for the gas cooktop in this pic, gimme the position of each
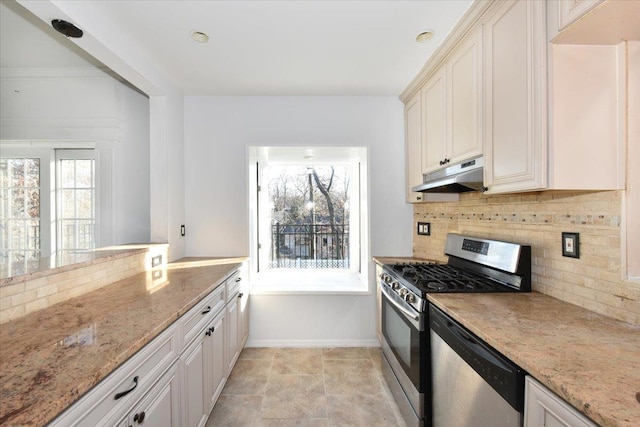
(474, 265)
(445, 278)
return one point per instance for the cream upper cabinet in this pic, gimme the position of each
(434, 129)
(452, 108)
(542, 408)
(569, 11)
(464, 88)
(516, 97)
(587, 110)
(413, 147)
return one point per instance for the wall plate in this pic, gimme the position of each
(571, 245)
(424, 228)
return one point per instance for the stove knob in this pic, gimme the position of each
(409, 298)
(395, 286)
(386, 278)
(403, 292)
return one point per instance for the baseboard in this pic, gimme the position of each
(312, 343)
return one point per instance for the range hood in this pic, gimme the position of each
(457, 178)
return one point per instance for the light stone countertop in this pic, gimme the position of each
(50, 358)
(589, 360)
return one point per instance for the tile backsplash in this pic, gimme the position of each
(593, 281)
(27, 296)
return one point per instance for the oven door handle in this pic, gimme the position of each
(405, 311)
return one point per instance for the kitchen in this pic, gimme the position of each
(233, 123)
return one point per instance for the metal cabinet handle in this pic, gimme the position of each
(238, 279)
(139, 418)
(210, 331)
(124, 393)
(240, 295)
(206, 310)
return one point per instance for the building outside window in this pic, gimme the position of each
(308, 219)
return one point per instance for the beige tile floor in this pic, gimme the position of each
(309, 387)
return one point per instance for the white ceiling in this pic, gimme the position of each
(261, 47)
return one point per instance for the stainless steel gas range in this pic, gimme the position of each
(475, 265)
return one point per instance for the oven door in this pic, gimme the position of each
(406, 340)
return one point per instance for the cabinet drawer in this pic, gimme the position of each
(110, 400)
(233, 285)
(203, 312)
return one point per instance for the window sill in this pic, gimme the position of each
(317, 282)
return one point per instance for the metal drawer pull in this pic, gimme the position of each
(206, 310)
(139, 418)
(240, 295)
(210, 331)
(124, 393)
(238, 279)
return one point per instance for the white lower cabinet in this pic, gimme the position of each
(161, 406)
(215, 367)
(203, 372)
(176, 379)
(232, 332)
(542, 408)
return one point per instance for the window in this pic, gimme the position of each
(20, 209)
(307, 219)
(47, 202)
(76, 195)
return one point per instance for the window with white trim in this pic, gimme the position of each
(47, 202)
(76, 199)
(307, 219)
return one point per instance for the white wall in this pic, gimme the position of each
(167, 172)
(87, 106)
(218, 131)
(131, 177)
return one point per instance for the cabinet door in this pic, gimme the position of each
(244, 318)
(192, 364)
(515, 101)
(434, 129)
(542, 408)
(244, 305)
(464, 79)
(232, 333)
(569, 11)
(161, 406)
(214, 354)
(413, 147)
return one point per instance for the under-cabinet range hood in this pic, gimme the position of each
(457, 178)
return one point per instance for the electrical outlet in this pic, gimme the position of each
(571, 244)
(424, 228)
(156, 260)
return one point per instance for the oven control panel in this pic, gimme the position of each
(475, 246)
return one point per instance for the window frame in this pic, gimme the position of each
(299, 281)
(75, 154)
(46, 151)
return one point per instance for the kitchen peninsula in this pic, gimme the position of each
(52, 357)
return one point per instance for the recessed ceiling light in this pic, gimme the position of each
(199, 36)
(424, 36)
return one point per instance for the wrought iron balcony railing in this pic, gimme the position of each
(309, 246)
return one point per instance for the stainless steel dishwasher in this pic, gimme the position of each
(472, 383)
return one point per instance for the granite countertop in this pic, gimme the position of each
(49, 358)
(589, 360)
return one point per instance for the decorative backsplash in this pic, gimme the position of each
(27, 293)
(593, 281)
